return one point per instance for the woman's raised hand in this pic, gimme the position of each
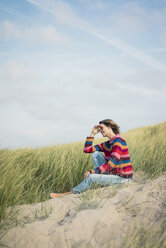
(95, 130)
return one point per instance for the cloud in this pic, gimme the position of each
(161, 49)
(17, 70)
(64, 109)
(145, 79)
(42, 34)
(65, 15)
(141, 86)
(31, 84)
(102, 94)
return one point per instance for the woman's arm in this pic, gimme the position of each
(89, 148)
(95, 130)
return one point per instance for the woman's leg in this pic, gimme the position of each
(58, 195)
(98, 159)
(100, 179)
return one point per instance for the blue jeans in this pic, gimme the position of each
(100, 179)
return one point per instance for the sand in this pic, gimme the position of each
(105, 217)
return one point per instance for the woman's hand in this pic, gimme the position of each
(87, 173)
(95, 130)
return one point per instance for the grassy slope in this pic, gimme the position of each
(147, 146)
(28, 175)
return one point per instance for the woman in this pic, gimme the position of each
(114, 167)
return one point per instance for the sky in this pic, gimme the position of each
(66, 65)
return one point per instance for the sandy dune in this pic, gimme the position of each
(105, 217)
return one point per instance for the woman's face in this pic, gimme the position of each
(104, 130)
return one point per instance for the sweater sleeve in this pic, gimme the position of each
(112, 162)
(89, 148)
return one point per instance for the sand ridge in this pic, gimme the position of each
(75, 220)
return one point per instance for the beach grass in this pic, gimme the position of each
(29, 175)
(146, 235)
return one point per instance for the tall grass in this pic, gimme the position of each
(147, 147)
(29, 175)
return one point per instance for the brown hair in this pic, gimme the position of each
(112, 124)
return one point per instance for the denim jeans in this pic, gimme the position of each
(100, 179)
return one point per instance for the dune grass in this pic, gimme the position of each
(29, 175)
(146, 235)
(147, 146)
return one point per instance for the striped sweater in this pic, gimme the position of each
(116, 155)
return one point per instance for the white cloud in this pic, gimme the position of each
(47, 113)
(146, 79)
(42, 34)
(17, 70)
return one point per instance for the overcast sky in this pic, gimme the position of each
(66, 65)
